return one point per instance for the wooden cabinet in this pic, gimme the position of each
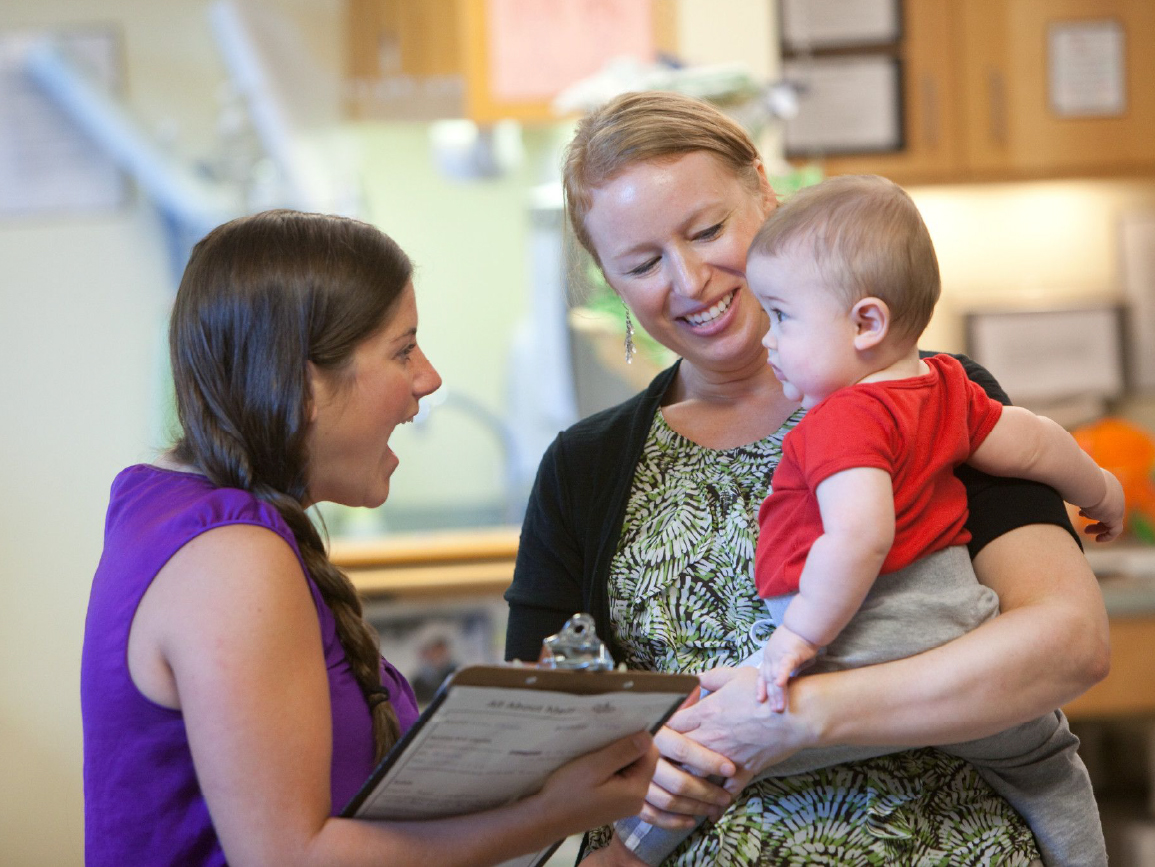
(932, 147)
(1011, 126)
(977, 93)
(430, 59)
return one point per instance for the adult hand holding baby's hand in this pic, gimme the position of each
(785, 653)
(731, 721)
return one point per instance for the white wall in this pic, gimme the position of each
(1026, 244)
(82, 302)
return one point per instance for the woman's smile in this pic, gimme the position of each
(673, 236)
(711, 316)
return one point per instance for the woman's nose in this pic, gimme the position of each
(689, 274)
(427, 380)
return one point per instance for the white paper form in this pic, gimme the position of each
(487, 746)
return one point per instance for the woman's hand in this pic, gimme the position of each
(600, 787)
(680, 790)
(732, 722)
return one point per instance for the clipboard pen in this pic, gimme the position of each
(494, 733)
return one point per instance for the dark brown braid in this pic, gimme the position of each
(262, 296)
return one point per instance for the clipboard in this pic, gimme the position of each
(494, 733)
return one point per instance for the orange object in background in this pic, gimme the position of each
(1127, 451)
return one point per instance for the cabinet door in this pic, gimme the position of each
(1011, 127)
(931, 149)
(489, 60)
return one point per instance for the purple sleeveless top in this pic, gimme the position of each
(142, 802)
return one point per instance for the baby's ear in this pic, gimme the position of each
(871, 317)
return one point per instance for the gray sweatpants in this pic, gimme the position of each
(1034, 765)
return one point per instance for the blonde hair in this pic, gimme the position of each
(868, 239)
(651, 125)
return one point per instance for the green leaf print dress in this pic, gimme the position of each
(682, 599)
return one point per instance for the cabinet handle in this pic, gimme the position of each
(997, 92)
(930, 118)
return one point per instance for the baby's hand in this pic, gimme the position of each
(785, 652)
(1108, 512)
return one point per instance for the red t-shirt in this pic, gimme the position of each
(917, 429)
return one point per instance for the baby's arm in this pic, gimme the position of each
(857, 508)
(1035, 447)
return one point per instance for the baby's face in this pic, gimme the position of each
(810, 344)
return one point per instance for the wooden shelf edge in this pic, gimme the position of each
(428, 548)
(458, 579)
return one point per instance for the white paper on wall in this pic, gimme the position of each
(1137, 271)
(47, 164)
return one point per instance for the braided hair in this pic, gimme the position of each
(261, 297)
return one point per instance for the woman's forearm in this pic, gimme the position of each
(484, 838)
(1048, 646)
(589, 791)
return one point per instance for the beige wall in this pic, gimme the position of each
(82, 302)
(1026, 244)
(76, 354)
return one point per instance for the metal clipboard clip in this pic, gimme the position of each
(576, 648)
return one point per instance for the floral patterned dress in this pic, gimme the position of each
(682, 599)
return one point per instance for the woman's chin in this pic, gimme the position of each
(378, 497)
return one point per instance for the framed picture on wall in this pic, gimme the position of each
(1050, 354)
(47, 164)
(821, 24)
(427, 640)
(847, 103)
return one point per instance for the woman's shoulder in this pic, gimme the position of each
(168, 493)
(586, 463)
(160, 509)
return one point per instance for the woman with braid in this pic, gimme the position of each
(234, 698)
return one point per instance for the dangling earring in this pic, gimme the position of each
(630, 348)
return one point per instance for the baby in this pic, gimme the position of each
(848, 275)
(861, 553)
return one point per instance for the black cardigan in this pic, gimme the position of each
(575, 513)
